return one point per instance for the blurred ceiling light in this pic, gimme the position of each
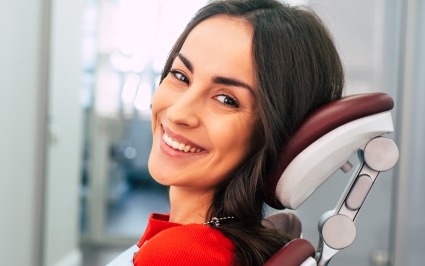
(138, 21)
(120, 62)
(144, 96)
(130, 88)
(138, 61)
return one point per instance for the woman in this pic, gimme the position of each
(238, 81)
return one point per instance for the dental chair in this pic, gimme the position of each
(324, 143)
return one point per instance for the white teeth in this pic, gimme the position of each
(179, 146)
(175, 145)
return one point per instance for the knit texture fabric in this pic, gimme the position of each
(166, 243)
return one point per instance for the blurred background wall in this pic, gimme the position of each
(40, 135)
(23, 90)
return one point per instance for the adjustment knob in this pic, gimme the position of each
(339, 231)
(381, 154)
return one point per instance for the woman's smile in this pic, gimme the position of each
(179, 143)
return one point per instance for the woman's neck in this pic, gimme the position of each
(189, 205)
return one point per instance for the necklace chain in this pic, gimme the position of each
(216, 221)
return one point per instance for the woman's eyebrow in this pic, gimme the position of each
(219, 79)
(233, 82)
(185, 61)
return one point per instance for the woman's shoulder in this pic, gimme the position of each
(198, 233)
(192, 244)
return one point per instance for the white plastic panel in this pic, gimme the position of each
(323, 157)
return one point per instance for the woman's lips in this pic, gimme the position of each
(179, 143)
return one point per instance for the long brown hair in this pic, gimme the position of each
(297, 69)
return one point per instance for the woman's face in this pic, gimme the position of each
(204, 112)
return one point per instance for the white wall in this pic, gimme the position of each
(38, 199)
(61, 234)
(409, 227)
(22, 98)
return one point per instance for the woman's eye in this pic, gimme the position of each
(180, 76)
(227, 100)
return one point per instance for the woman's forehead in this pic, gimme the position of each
(226, 26)
(222, 44)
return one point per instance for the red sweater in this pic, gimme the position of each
(165, 243)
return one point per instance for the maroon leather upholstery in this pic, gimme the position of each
(287, 223)
(292, 254)
(322, 121)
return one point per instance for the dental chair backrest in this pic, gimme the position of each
(323, 143)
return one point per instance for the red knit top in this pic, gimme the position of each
(166, 243)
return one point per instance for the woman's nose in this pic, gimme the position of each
(186, 110)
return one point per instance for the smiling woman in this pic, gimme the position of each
(237, 83)
(203, 103)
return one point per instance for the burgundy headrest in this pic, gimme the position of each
(286, 223)
(292, 254)
(320, 122)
